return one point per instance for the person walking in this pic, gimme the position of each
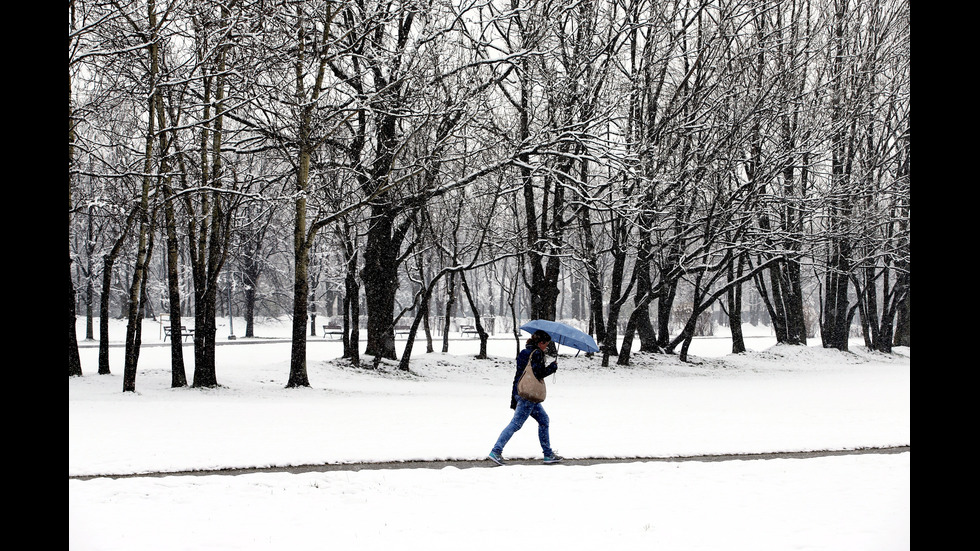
(534, 351)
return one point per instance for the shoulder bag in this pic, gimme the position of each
(530, 387)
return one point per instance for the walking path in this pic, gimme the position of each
(484, 463)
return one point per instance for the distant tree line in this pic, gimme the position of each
(644, 160)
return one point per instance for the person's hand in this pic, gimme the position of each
(548, 360)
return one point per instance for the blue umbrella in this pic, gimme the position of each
(563, 334)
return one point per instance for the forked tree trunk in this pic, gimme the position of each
(476, 317)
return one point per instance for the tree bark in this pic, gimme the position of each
(351, 297)
(380, 277)
(734, 299)
(597, 320)
(631, 327)
(74, 362)
(450, 311)
(178, 374)
(134, 323)
(617, 296)
(301, 259)
(903, 325)
(476, 318)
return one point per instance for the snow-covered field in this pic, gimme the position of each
(452, 406)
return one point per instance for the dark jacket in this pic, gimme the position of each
(537, 366)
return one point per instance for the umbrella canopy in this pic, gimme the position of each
(563, 334)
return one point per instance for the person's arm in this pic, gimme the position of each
(538, 366)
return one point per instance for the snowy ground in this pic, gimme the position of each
(452, 406)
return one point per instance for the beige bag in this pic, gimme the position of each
(530, 387)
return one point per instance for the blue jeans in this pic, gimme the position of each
(524, 410)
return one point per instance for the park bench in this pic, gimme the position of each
(403, 329)
(332, 330)
(468, 330)
(184, 332)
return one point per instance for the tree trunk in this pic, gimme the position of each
(669, 276)
(903, 329)
(427, 300)
(836, 318)
(422, 314)
(351, 298)
(251, 270)
(450, 311)
(89, 282)
(134, 324)
(205, 333)
(686, 336)
(617, 295)
(297, 365)
(107, 262)
(301, 287)
(631, 327)
(734, 299)
(74, 362)
(796, 318)
(178, 374)
(476, 318)
(250, 280)
(208, 243)
(207, 262)
(355, 324)
(644, 289)
(410, 341)
(380, 277)
(616, 298)
(135, 321)
(597, 320)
